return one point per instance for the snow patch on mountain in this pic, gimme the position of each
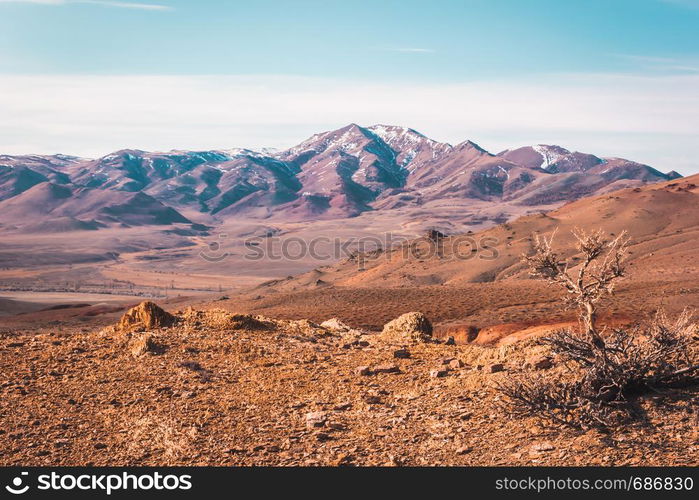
(390, 134)
(549, 155)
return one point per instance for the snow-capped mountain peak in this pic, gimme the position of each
(549, 154)
(337, 173)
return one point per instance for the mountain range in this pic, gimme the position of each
(332, 175)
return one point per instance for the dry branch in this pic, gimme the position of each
(610, 370)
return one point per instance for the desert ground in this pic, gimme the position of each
(222, 385)
(223, 389)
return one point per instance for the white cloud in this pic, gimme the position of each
(106, 3)
(649, 119)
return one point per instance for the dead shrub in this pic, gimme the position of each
(650, 358)
(608, 368)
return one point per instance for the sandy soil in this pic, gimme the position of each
(290, 394)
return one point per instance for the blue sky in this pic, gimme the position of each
(438, 41)
(615, 77)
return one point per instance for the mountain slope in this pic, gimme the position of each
(19, 173)
(93, 206)
(661, 219)
(332, 175)
(345, 170)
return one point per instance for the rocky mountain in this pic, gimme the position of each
(19, 173)
(86, 207)
(336, 174)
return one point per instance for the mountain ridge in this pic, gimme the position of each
(334, 174)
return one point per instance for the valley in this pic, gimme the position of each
(142, 223)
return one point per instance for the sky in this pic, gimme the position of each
(610, 77)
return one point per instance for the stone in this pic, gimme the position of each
(387, 368)
(342, 459)
(542, 447)
(413, 326)
(439, 372)
(316, 419)
(450, 341)
(336, 325)
(455, 364)
(245, 322)
(401, 354)
(143, 344)
(372, 399)
(463, 449)
(363, 370)
(494, 368)
(146, 315)
(222, 319)
(539, 363)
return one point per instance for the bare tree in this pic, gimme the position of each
(610, 370)
(602, 264)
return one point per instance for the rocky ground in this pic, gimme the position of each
(216, 388)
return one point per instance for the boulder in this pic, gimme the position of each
(336, 325)
(147, 315)
(222, 319)
(413, 326)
